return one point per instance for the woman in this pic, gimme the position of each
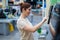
(23, 24)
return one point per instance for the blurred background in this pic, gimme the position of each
(10, 12)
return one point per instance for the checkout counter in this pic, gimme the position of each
(4, 26)
(7, 23)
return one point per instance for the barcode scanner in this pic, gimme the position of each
(50, 14)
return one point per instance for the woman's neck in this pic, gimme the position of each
(23, 15)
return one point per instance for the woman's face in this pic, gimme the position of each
(28, 10)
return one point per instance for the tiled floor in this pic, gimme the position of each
(15, 34)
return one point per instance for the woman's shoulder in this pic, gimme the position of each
(21, 20)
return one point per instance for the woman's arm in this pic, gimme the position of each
(33, 29)
(53, 32)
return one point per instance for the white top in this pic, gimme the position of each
(24, 34)
(21, 1)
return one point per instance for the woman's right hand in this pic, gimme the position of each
(44, 19)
